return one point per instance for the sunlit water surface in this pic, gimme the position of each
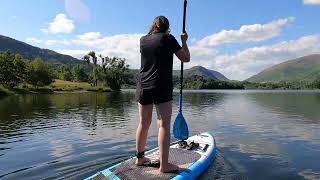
(259, 134)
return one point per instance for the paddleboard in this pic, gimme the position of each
(192, 163)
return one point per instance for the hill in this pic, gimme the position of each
(305, 68)
(201, 71)
(188, 74)
(31, 52)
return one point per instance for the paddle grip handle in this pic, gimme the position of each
(184, 16)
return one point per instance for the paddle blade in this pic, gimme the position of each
(180, 128)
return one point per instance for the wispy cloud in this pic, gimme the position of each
(77, 10)
(50, 42)
(311, 2)
(247, 33)
(34, 40)
(60, 24)
(57, 42)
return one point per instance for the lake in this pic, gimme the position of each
(259, 134)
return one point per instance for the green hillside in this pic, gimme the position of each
(201, 71)
(31, 52)
(306, 68)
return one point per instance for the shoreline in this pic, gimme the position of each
(6, 92)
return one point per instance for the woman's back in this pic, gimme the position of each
(157, 51)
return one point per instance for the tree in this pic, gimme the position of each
(12, 69)
(116, 72)
(64, 73)
(79, 74)
(38, 73)
(113, 70)
(91, 56)
(19, 68)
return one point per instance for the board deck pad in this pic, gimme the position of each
(180, 157)
(194, 162)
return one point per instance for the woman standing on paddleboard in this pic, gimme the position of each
(155, 87)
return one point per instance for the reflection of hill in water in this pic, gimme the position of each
(302, 106)
(50, 111)
(199, 109)
(200, 99)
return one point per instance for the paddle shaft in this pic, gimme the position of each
(181, 75)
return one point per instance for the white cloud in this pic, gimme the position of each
(127, 46)
(34, 40)
(57, 42)
(239, 65)
(75, 53)
(77, 10)
(122, 45)
(247, 33)
(90, 39)
(90, 36)
(50, 42)
(199, 56)
(248, 62)
(311, 2)
(235, 65)
(60, 24)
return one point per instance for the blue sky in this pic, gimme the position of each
(236, 38)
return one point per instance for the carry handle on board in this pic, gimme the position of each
(180, 127)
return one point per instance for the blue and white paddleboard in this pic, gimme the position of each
(192, 163)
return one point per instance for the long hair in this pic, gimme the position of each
(159, 24)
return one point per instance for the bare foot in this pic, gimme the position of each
(169, 168)
(141, 161)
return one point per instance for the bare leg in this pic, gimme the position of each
(145, 114)
(164, 112)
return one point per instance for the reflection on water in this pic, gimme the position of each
(260, 134)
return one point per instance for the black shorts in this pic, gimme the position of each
(153, 96)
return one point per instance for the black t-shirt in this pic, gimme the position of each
(157, 51)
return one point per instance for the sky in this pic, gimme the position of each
(236, 38)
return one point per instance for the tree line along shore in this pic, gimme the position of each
(103, 74)
(20, 75)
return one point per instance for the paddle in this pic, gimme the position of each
(180, 127)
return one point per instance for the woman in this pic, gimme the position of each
(155, 87)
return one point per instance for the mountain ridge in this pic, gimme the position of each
(306, 68)
(201, 71)
(30, 52)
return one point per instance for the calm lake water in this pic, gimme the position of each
(259, 134)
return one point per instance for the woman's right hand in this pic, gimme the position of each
(183, 54)
(184, 37)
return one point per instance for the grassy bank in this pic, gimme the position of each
(60, 85)
(56, 86)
